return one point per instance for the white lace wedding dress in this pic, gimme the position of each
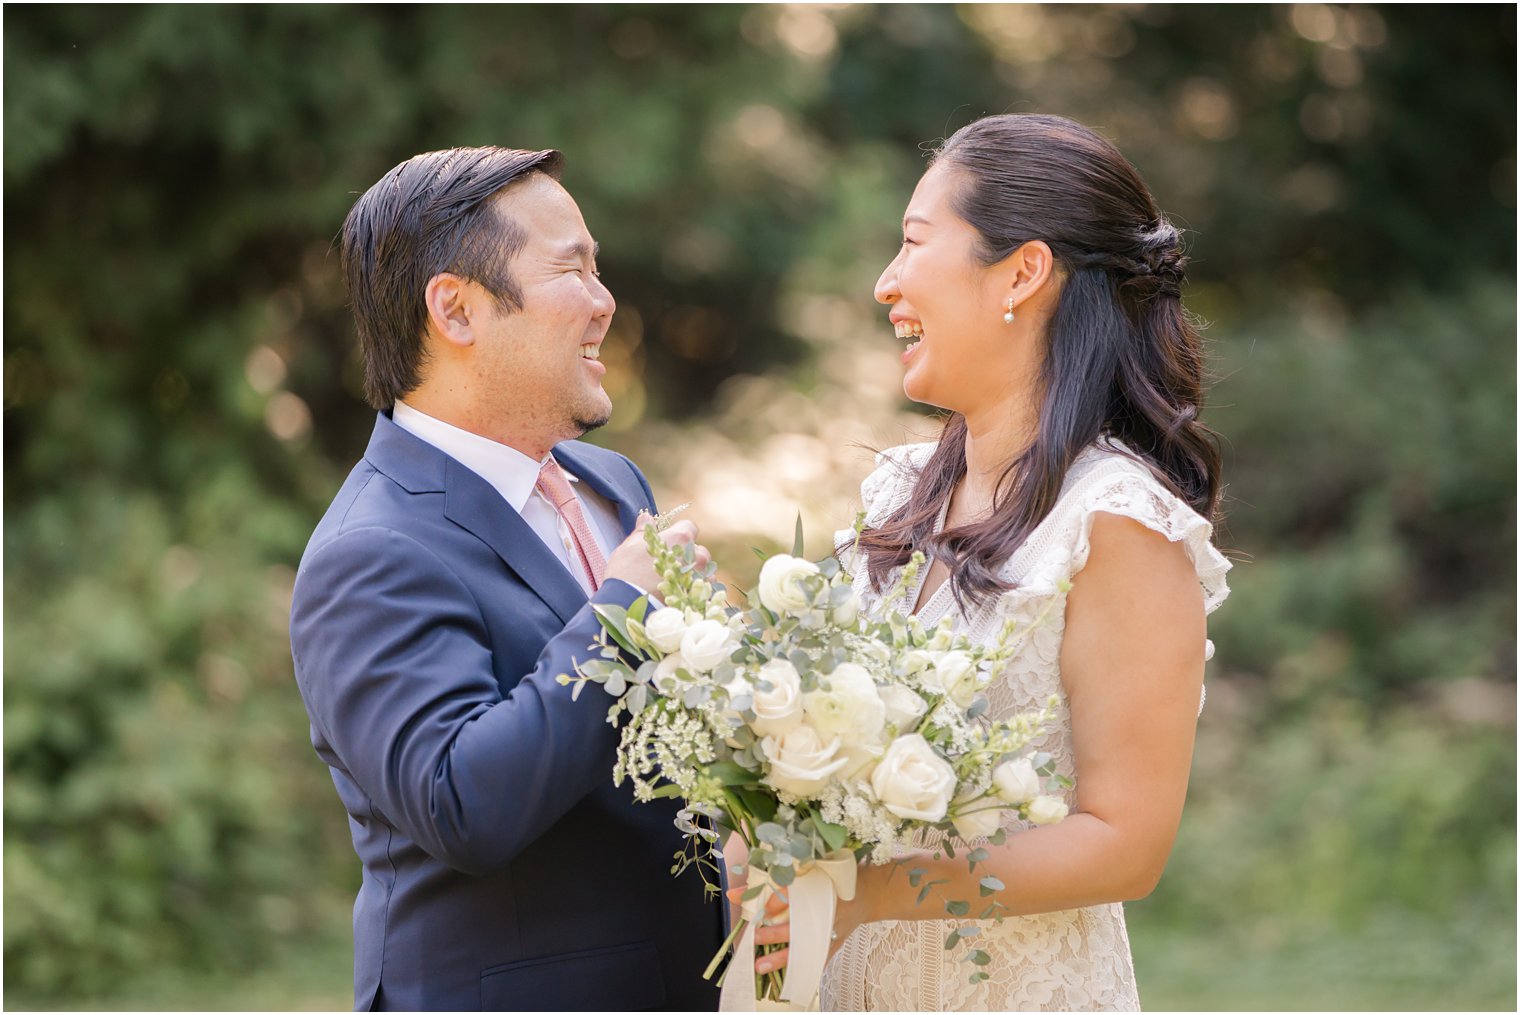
(1077, 960)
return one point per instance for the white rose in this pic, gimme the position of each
(665, 680)
(954, 675)
(664, 628)
(801, 762)
(706, 644)
(779, 708)
(979, 823)
(847, 706)
(781, 588)
(1016, 781)
(912, 781)
(1047, 810)
(904, 706)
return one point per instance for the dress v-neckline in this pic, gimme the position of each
(918, 609)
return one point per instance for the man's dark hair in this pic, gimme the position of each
(431, 214)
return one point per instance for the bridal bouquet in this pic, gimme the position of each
(818, 734)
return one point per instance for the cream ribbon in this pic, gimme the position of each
(810, 898)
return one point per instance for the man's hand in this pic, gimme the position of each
(631, 562)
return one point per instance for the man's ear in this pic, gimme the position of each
(451, 308)
(1028, 270)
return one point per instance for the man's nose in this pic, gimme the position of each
(602, 298)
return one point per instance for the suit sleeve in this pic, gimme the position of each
(393, 659)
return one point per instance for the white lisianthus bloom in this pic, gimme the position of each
(781, 588)
(706, 644)
(983, 820)
(1016, 781)
(904, 707)
(664, 628)
(778, 708)
(912, 781)
(943, 637)
(801, 761)
(1047, 810)
(665, 680)
(918, 661)
(846, 705)
(954, 675)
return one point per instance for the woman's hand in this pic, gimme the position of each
(774, 928)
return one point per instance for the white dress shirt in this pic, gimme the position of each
(515, 476)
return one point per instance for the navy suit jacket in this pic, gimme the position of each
(501, 868)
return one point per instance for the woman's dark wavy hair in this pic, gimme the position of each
(1122, 358)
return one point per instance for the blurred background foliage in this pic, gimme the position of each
(182, 399)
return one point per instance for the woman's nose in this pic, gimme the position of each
(886, 286)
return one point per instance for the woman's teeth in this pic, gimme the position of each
(911, 330)
(591, 351)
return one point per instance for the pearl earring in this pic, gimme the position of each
(1008, 317)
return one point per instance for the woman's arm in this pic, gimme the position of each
(1132, 666)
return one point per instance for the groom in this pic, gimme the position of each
(448, 585)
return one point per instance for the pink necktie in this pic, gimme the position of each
(554, 486)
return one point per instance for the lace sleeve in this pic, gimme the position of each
(1135, 494)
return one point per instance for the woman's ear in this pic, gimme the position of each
(1028, 270)
(451, 308)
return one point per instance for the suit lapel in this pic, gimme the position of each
(620, 487)
(472, 503)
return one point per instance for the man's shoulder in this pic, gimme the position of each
(371, 503)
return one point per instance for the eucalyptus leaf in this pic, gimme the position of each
(772, 833)
(636, 699)
(957, 907)
(833, 835)
(991, 884)
(730, 774)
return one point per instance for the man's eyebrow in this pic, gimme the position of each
(578, 250)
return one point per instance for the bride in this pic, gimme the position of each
(1038, 288)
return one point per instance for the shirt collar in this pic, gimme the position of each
(513, 474)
